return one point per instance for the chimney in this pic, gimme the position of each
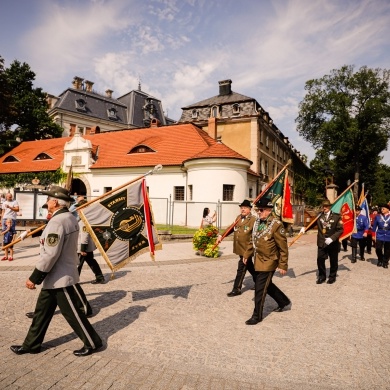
(225, 87)
(109, 93)
(77, 82)
(88, 85)
(212, 128)
(155, 123)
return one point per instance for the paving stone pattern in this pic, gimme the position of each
(168, 324)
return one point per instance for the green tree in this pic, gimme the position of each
(24, 114)
(347, 116)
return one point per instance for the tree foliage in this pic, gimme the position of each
(346, 116)
(12, 180)
(23, 108)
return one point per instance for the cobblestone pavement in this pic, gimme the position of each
(169, 325)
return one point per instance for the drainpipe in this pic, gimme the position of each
(182, 168)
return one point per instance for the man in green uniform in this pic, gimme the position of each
(57, 269)
(271, 254)
(242, 245)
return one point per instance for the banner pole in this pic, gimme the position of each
(27, 235)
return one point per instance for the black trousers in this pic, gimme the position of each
(369, 243)
(382, 250)
(362, 242)
(69, 302)
(264, 286)
(93, 264)
(331, 251)
(241, 271)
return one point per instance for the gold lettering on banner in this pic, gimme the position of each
(116, 201)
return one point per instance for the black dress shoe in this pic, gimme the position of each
(331, 280)
(234, 293)
(362, 259)
(19, 350)
(320, 280)
(98, 281)
(30, 314)
(380, 264)
(252, 321)
(85, 351)
(385, 265)
(353, 261)
(281, 308)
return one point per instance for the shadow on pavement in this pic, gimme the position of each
(176, 292)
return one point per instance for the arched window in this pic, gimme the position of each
(214, 112)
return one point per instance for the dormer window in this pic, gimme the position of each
(43, 156)
(112, 113)
(10, 159)
(236, 109)
(195, 114)
(81, 105)
(141, 149)
(214, 112)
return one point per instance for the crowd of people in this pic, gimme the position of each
(259, 241)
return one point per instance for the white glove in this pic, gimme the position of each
(328, 241)
(23, 235)
(302, 230)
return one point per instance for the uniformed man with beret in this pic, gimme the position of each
(57, 269)
(242, 245)
(271, 254)
(330, 228)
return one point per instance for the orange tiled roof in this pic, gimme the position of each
(172, 145)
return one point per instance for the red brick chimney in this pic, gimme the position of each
(155, 123)
(212, 128)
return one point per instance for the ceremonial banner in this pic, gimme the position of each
(345, 206)
(280, 194)
(364, 205)
(122, 225)
(365, 210)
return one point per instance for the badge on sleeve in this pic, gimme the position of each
(52, 239)
(85, 229)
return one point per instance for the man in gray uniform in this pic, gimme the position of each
(57, 269)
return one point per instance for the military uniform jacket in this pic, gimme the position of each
(242, 239)
(270, 242)
(362, 226)
(381, 227)
(329, 227)
(57, 265)
(85, 242)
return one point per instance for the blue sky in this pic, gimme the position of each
(180, 49)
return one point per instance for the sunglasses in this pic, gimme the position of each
(260, 210)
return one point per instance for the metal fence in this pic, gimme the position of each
(166, 211)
